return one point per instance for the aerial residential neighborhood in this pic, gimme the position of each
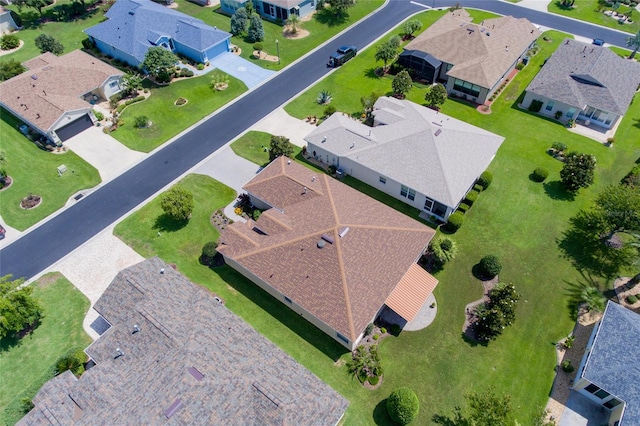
(319, 213)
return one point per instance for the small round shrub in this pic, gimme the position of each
(567, 367)
(540, 174)
(471, 197)
(631, 299)
(455, 221)
(332, 169)
(9, 41)
(373, 380)
(443, 248)
(258, 47)
(485, 179)
(403, 405)
(490, 266)
(209, 249)
(478, 188)
(200, 67)
(376, 336)
(383, 330)
(464, 207)
(141, 121)
(559, 146)
(99, 116)
(256, 214)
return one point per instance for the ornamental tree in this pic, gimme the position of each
(256, 31)
(177, 203)
(403, 405)
(411, 27)
(577, 171)
(46, 43)
(339, 7)
(619, 207)
(158, 61)
(280, 145)
(436, 96)
(18, 308)
(239, 22)
(10, 68)
(386, 52)
(402, 83)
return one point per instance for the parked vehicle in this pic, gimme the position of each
(2, 232)
(343, 54)
(598, 42)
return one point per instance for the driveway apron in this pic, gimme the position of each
(240, 68)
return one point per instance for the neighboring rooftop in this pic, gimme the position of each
(430, 152)
(331, 249)
(136, 25)
(580, 74)
(612, 364)
(174, 355)
(480, 53)
(54, 84)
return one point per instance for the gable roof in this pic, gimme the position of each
(192, 360)
(416, 146)
(136, 25)
(345, 282)
(612, 363)
(480, 53)
(581, 74)
(53, 85)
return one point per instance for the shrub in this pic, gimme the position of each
(332, 169)
(141, 121)
(395, 329)
(73, 360)
(10, 68)
(369, 329)
(374, 380)
(490, 266)
(256, 214)
(485, 179)
(478, 188)
(559, 146)
(177, 203)
(329, 110)
(558, 114)
(200, 67)
(9, 41)
(403, 405)
(46, 43)
(383, 330)
(631, 299)
(540, 174)
(578, 171)
(455, 221)
(376, 336)
(280, 145)
(99, 116)
(471, 197)
(464, 207)
(520, 66)
(258, 47)
(324, 97)
(443, 248)
(567, 367)
(209, 249)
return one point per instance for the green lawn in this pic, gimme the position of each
(168, 119)
(592, 11)
(26, 364)
(34, 171)
(320, 30)
(251, 145)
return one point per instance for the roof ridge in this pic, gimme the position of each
(345, 287)
(393, 228)
(278, 221)
(233, 228)
(280, 244)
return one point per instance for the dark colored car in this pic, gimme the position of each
(2, 232)
(598, 42)
(343, 54)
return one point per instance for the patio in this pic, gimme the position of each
(594, 131)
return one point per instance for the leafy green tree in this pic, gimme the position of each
(436, 96)
(489, 409)
(131, 83)
(239, 21)
(443, 248)
(403, 405)
(73, 360)
(10, 68)
(158, 61)
(499, 312)
(18, 308)
(368, 102)
(9, 41)
(256, 30)
(489, 266)
(386, 52)
(411, 27)
(402, 83)
(578, 171)
(34, 4)
(339, 7)
(280, 145)
(46, 43)
(619, 206)
(294, 22)
(633, 42)
(593, 298)
(395, 41)
(177, 203)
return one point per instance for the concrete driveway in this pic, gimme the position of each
(242, 69)
(279, 123)
(103, 152)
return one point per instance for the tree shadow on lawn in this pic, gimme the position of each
(294, 322)
(636, 124)
(575, 290)
(331, 19)
(165, 223)
(381, 415)
(556, 191)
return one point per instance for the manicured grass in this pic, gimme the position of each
(320, 30)
(516, 219)
(168, 119)
(251, 145)
(620, 51)
(26, 364)
(34, 171)
(592, 11)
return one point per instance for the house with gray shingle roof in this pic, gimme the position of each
(608, 374)
(55, 96)
(471, 59)
(133, 26)
(173, 354)
(585, 82)
(415, 154)
(273, 10)
(328, 252)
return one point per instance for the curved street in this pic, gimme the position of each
(58, 236)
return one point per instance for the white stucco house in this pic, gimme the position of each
(415, 154)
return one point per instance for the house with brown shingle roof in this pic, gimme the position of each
(54, 96)
(330, 253)
(173, 354)
(471, 59)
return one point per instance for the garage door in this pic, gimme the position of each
(75, 127)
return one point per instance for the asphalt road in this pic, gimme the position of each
(46, 244)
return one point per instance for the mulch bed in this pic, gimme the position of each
(30, 201)
(7, 183)
(219, 220)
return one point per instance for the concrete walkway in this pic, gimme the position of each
(252, 75)
(539, 5)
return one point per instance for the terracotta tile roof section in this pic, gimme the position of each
(480, 53)
(188, 352)
(345, 282)
(53, 85)
(411, 292)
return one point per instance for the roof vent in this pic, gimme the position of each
(131, 12)
(195, 373)
(288, 161)
(118, 354)
(343, 231)
(324, 139)
(437, 132)
(169, 412)
(34, 77)
(136, 329)
(304, 190)
(488, 33)
(320, 244)
(328, 238)
(162, 270)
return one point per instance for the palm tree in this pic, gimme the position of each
(593, 298)
(634, 42)
(294, 23)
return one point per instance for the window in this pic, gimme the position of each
(571, 112)
(550, 105)
(592, 388)
(466, 87)
(287, 299)
(428, 204)
(113, 84)
(383, 180)
(341, 337)
(404, 190)
(612, 403)
(602, 394)
(412, 194)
